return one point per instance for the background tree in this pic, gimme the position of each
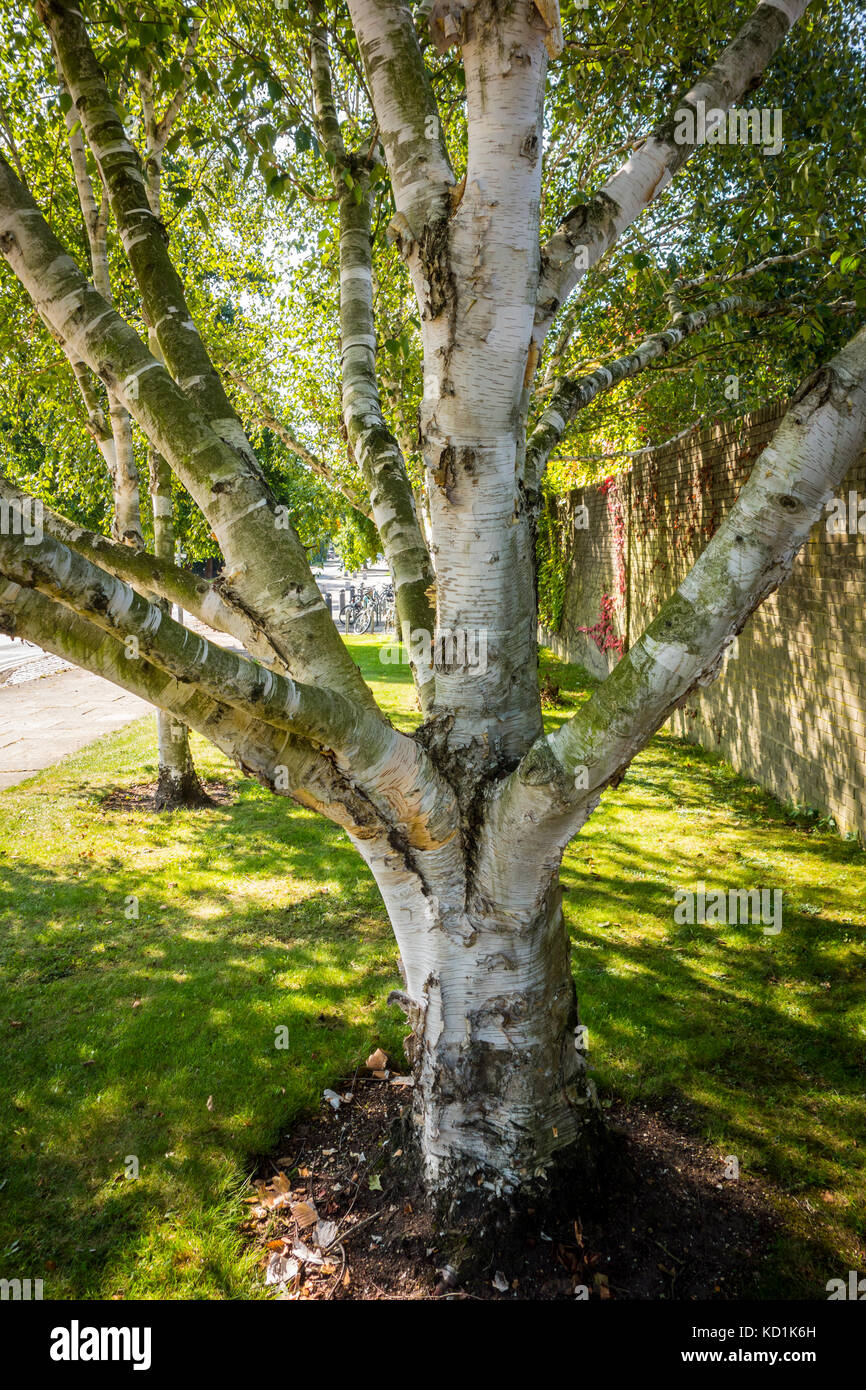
(106, 420)
(415, 149)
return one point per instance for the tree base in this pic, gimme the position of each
(173, 793)
(475, 1215)
(648, 1217)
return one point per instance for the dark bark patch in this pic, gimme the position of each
(529, 146)
(225, 485)
(444, 475)
(434, 252)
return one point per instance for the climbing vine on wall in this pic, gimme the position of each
(603, 633)
(613, 606)
(551, 562)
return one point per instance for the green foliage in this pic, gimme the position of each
(357, 541)
(729, 209)
(551, 566)
(252, 219)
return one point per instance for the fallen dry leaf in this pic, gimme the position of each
(377, 1060)
(326, 1234)
(305, 1214)
(304, 1253)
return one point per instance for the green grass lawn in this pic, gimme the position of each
(257, 916)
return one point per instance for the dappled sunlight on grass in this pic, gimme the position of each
(764, 1035)
(119, 1029)
(123, 1027)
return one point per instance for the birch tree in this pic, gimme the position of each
(462, 824)
(111, 430)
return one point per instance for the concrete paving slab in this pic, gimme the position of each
(45, 720)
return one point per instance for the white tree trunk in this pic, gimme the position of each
(496, 1048)
(479, 274)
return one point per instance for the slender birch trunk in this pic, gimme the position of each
(177, 781)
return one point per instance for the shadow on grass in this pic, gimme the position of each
(180, 1018)
(252, 917)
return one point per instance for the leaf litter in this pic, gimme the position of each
(341, 1215)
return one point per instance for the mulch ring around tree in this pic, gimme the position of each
(141, 796)
(339, 1215)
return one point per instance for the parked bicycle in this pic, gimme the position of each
(371, 609)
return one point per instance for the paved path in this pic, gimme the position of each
(42, 721)
(14, 652)
(43, 718)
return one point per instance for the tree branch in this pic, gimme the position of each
(158, 577)
(281, 593)
(372, 443)
(265, 416)
(635, 453)
(259, 749)
(392, 770)
(787, 259)
(141, 231)
(559, 782)
(589, 231)
(406, 111)
(115, 441)
(570, 397)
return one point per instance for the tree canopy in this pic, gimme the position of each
(253, 220)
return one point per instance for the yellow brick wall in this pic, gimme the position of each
(789, 710)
